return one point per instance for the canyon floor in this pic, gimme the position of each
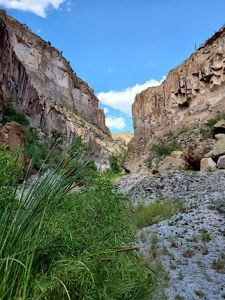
(190, 245)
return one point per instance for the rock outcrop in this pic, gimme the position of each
(191, 93)
(12, 135)
(38, 81)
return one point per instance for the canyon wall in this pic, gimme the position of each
(38, 81)
(192, 92)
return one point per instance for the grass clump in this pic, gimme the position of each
(160, 150)
(157, 211)
(219, 264)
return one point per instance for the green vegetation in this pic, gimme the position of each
(157, 211)
(160, 150)
(207, 128)
(205, 236)
(10, 114)
(116, 162)
(68, 235)
(219, 264)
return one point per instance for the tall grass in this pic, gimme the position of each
(66, 237)
(157, 211)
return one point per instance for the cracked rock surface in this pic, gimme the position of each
(190, 245)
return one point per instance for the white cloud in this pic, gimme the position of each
(115, 122)
(122, 100)
(39, 7)
(106, 110)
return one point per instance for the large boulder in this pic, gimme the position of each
(218, 148)
(195, 154)
(12, 135)
(221, 162)
(219, 127)
(173, 163)
(207, 165)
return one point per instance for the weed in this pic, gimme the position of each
(205, 236)
(180, 276)
(219, 264)
(200, 294)
(188, 253)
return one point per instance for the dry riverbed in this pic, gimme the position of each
(190, 245)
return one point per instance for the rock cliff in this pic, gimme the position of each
(191, 93)
(39, 82)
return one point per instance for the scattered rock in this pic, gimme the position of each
(173, 163)
(221, 162)
(208, 165)
(218, 148)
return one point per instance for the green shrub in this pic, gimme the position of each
(35, 149)
(157, 211)
(207, 128)
(116, 162)
(161, 150)
(57, 135)
(10, 114)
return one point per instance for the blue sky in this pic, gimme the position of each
(121, 46)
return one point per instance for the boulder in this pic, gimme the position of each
(218, 148)
(173, 163)
(207, 165)
(195, 154)
(12, 135)
(219, 127)
(221, 162)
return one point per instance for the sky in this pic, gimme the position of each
(121, 47)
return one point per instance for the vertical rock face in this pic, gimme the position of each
(192, 92)
(36, 78)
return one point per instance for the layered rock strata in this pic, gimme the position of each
(192, 92)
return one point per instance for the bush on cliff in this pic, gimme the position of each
(10, 114)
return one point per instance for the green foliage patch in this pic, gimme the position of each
(160, 150)
(10, 114)
(157, 211)
(116, 162)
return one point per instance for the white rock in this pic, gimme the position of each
(221, 162)
(207, 165)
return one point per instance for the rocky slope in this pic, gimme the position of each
(37, 80)
(123, 137)
(191, 245)
(191, 93)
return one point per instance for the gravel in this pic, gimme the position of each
(189, 244)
